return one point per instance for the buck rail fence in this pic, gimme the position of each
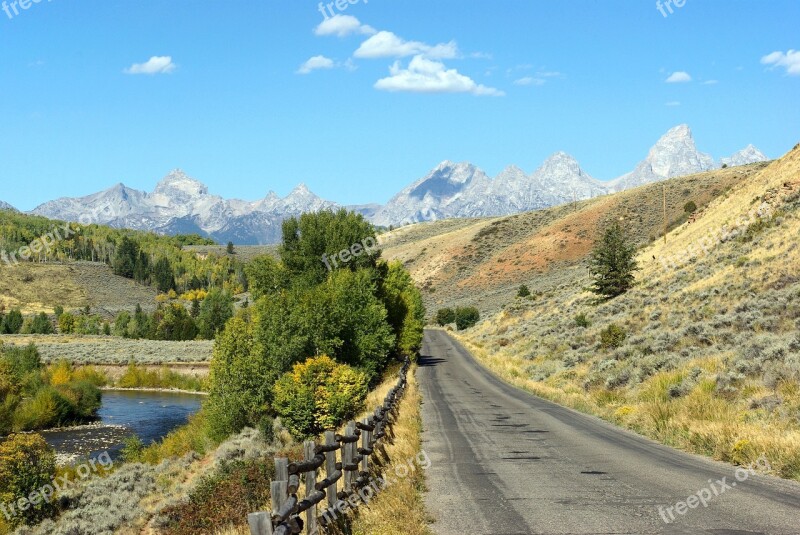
(352, 469)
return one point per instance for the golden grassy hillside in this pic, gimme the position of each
(482, 261)
(40, 287)
(707, 351)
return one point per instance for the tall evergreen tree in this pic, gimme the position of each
(613, 263)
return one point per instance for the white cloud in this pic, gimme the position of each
(427, 76)
(540, 78)
(155, 65)
(529, 80)
(342, 26)
(789, 60)
(711, 82)
(679, 77)
(388, 45)
(317, 62)
(673, 103)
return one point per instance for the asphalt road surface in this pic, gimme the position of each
(506, 462)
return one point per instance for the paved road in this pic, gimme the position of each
(506, 462)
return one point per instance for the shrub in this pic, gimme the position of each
(612, 336)
(690, 207)
(12, 323)
(466, 317)
(445, 316)
(582, 321)
(27, 464)
(523, 291)
(319, 394)
(41, 324)
(66, 323)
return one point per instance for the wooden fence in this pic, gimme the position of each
(351, 468)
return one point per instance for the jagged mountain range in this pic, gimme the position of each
(181, 204)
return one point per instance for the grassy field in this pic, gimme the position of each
(110, 350)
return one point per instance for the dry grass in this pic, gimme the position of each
(400, 508)
(38, 288)
(711, 362)
(112, 350)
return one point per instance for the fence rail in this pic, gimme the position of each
(351, 469)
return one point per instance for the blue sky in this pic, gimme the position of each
(99, 92)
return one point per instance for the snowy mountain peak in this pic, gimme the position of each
(674, 154)
(561, 163)
(747, 155)
(178, 181)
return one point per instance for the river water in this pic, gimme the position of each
(149, 415)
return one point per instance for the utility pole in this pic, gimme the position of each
(665, 213)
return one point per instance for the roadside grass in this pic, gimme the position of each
(400, 508)
(697, 420)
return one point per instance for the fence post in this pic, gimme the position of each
(347, 455)
(260, 523)
(330, 466)
(280, 486)
(365, 436)
(311, 481)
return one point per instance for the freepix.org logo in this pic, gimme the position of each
(12, 8)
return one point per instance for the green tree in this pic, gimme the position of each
(124, 263)
(230, 249)
(163, 276)
(266, 276)
(12, 323)
(215, 311)
(405, 310)
(466, 317)
(613, 263)
(66, 323)
(194, 311)
(241, 379)
(523, 291)
(41, 324)
(174, 323)
(27, 464)
(690, 207)
(314, 238)
(445, 316)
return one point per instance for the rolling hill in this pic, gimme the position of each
(702, 354)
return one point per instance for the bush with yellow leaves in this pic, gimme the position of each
(319, 394)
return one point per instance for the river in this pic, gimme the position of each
(149, 415)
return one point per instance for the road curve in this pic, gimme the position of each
(506, 462)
